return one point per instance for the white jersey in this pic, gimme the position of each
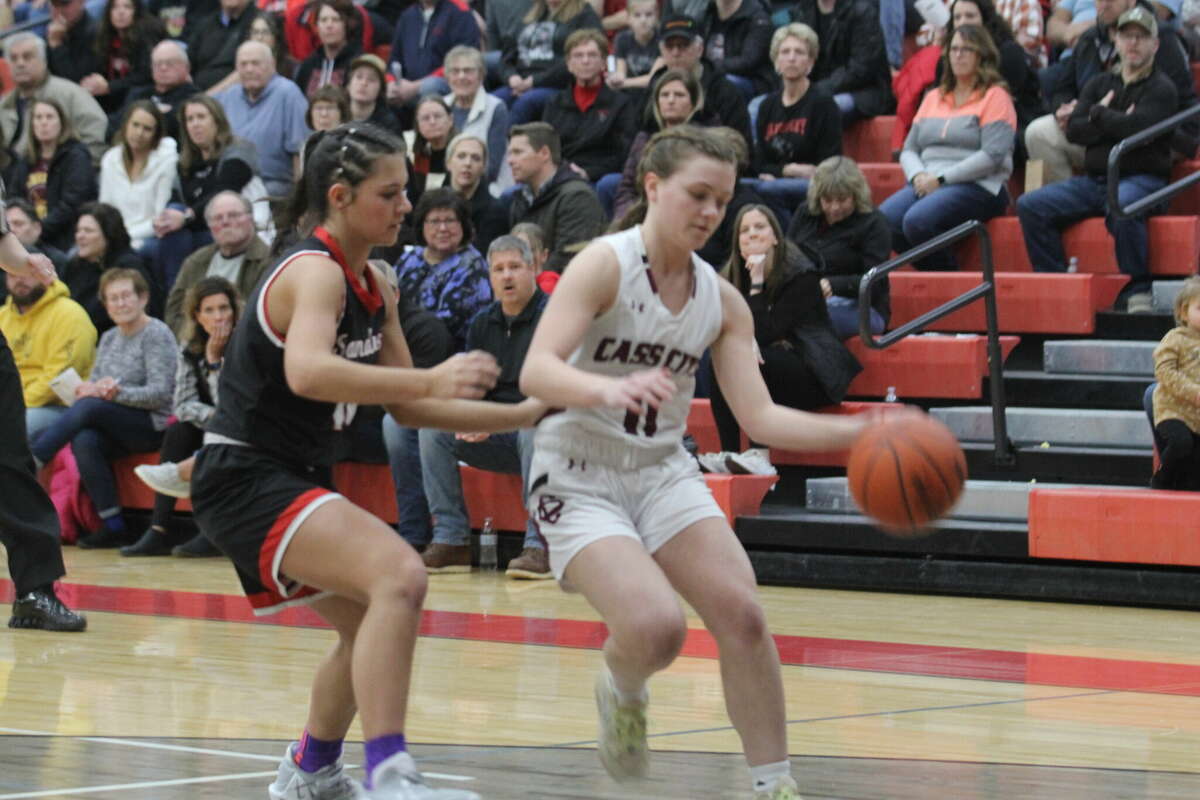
(638, 332)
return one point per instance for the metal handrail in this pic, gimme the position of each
(1004, 457)
(28, 24)
(1125, 145)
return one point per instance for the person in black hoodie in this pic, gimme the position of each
(845, 235)
(127, 34)
(737, 35)
(798, 127)
(595, 123)
(466, 163)
(71, 35)
(55, 172)
(503, 329)
(682, 47)
(338, 26)
(852, 65)
(802, 361)
(102, 243)
(1111, 107)
(1096, 52)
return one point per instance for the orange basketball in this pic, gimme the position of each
(906, 473)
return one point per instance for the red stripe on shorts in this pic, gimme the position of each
(266, 554)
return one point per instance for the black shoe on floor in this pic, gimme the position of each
(152, 543)
(196, 547)
(42, 610)
(103, 539)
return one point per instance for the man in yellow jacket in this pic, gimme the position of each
(48, 332)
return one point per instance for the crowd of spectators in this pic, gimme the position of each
(145, 145)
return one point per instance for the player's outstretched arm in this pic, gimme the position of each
(588, 289)
(736, 363)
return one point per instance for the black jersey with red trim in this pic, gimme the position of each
(255, 404)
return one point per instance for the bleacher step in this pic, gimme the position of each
(1055, 426)
(1099, 357)
(1164, 295)
(994, 500)
(1114, 466)
(1064, 390)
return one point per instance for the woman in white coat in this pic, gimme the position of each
(136, 174)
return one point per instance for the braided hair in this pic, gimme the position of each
(346, 154)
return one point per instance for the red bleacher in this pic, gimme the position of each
(869, 140)
(926, 366)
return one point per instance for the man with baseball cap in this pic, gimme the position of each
(681, 45)
(1112, 107)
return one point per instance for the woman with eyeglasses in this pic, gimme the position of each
(958, 155)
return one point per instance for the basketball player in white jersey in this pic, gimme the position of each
(627, 515)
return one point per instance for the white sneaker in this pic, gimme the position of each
(754, 461)
(164, 479)
(713, 462)
(1140, 303)
(397, 778)
(622, 739)
(327, 783)
(786, 789)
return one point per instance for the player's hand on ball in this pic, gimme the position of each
(466, 375)
(647, 387)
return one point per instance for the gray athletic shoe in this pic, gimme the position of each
(164, 479)
(621, 743)
(327, 783)
(398, 779)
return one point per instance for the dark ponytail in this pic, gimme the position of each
(346, 154)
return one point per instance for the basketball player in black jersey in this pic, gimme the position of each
(321, 335)
(28, 522)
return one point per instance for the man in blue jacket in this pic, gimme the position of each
(425, 32)
(503, 329)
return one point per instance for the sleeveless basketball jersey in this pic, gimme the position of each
(255, 405)
(638, 332)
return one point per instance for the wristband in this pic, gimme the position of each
(758, 285)
(941, 180)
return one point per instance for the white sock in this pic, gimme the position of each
(626, 698)
(767, 776)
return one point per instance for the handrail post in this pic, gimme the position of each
(1122, 147)
(1004, 456)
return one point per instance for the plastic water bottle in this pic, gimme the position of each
(1073, 264)
(890, 397)
(487, 546)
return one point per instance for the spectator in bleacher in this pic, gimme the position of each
(553, 195)
(802, 361)
(737, 37)
(636, 48)
(212, 312)
(532, 234)
(71, 36)
(1112, 107)
(213, 41)
(675, 99)
(1068, 20)
(425, 33)
(475, 111)
(504, 328)
(1094, 53)
(466, 162)
(26, 56)
(337, 22)
(237, 254)
(211, 160)
(444, 274)
(595, 124)
(127, 36)
(54, 171)
(1025, 20)
(265, 28)
(798, 126)
(534, 63)
(171, 84)
(300, 36)
(958, 155)
(503, 22)
(682, 47)
(720, 244)
(852, 65)
(1177, 396)
(101, 244)
(136, 176)
(1022, 81)
(267, 110)
(26, 225)
(846, 235)
(368, 98)
(328, 107)
(433, 131)
(48, 333)
(123, 407)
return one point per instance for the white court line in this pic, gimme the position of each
(113, 787)
(185, 749)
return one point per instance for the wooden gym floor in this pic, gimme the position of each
(176, 691)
